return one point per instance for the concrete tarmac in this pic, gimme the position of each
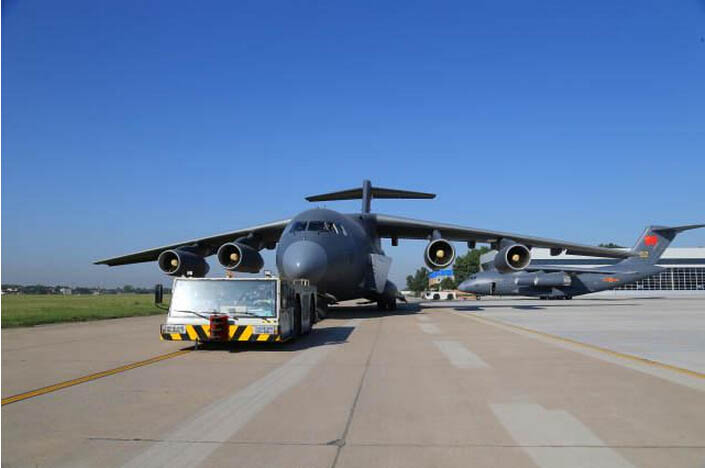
(517, 383)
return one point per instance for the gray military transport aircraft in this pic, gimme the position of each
(341, 253)
(564, 282)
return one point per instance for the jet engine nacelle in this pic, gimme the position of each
(439, 254)
(179, 262)
(235, 256)
(514, 257)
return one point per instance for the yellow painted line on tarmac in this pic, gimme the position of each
(630, 357)
(88, 378)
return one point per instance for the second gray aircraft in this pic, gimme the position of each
(564, 282)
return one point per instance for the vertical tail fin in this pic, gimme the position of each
(655, 239)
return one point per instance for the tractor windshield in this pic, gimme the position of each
(237, 298)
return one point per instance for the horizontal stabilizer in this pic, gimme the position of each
(678, 229)
(367, 192)
(376, 192)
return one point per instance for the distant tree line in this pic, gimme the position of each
(79, 290)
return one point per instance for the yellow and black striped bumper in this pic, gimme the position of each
(237, 333)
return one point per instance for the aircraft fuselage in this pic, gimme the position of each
(330, 249)
(514, 284)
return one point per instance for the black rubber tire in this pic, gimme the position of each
(297, 317)
(312, 316)
(322, 309)
(381, 305)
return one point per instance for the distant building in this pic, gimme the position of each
(435, 277)
(66, 291)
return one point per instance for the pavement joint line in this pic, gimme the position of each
(221, 419)
(88, 378)
(340, 443)
(618, 354)
(382, 444)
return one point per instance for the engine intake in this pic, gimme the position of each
(240, 257)
(513, 257)
(179, 262)
(439, 254)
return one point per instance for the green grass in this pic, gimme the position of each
(28, 310)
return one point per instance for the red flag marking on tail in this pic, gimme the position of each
(651, 240)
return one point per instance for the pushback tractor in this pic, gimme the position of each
(270, 309)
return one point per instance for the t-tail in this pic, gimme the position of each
(654, 240)
(367, 192)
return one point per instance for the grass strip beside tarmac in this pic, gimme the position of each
(25, 310)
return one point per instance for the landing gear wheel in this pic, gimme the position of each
(381, 305)
(311, 316)
(321, 309)
(314, 311)
(393, 304)
(297, 317)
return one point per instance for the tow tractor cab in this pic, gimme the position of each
(238, 309)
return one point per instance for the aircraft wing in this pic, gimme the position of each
(266, 234)
(405, 228)
(567, 269)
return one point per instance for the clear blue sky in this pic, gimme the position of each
(126, 125)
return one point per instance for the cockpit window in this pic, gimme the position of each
(298, 226)
(318, 226)
(323, 226)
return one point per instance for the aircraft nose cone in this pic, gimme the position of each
(467, 286)
(304, 259)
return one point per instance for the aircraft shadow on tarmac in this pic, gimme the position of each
(319, 336)
(369, 311)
